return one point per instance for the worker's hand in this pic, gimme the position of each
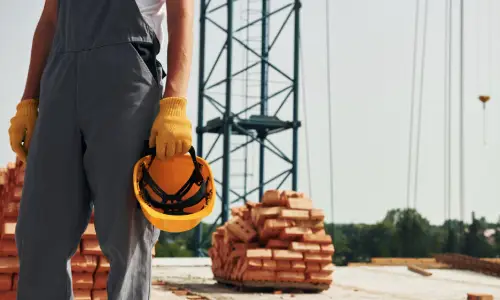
(22, 126)
(171, 132)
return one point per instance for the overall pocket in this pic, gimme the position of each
(147, 53)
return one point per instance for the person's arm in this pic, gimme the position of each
(180, 17)
(41, 45)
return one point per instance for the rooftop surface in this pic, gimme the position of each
(360, 283)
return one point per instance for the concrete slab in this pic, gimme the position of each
(360, 283)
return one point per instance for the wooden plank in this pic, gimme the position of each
(418, 270)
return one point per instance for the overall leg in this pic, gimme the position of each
(119, 108)
(54, 208)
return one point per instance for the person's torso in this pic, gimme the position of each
(89, 24)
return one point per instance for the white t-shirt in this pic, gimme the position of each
(153, 11)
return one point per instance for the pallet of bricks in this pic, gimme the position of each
(89, 266)
(278, 243)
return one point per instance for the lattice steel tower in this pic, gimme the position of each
(248, 96)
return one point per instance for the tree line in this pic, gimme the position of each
(401, 233)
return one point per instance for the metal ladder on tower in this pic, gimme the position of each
(242, 160)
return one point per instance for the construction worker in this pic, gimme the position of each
(94, 95)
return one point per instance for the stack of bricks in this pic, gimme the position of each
(280, 239)
(89, 266)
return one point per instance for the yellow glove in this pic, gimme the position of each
(22, 126)
(171, 132)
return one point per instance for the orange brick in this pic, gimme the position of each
(277, 224)
(82, 295)
(317, 239)
(18, 192)
(99, 295)
(313, 225)
(254, 263)
(328, 249)
(286, 255)
(89, 232)
(100, 281)
(317, 257)
(5, 282)
(237, 253)
(11, 209)
(259, 275)
(91, 247)
(83, 263)
(305, 247)
(283, 265)
(103, 265)
(272, 198)
(82, 281)
(294, 214)
(9, 265)
(319, 277)
(277, 244)
(259, 253)
(299, 203)
(11, 295)
(317, 214)
(235, 211)
(474, 296)
(320, 231)
(265, 213)
(298, 265)
(326, 267)
(8, 230)
(229, 236)
(292, 233)
(8, 248)
(291, 194)
(290, 276)
(312, 267)
(240, 246)
(242, 229)
(268, 264)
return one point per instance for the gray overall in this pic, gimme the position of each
(100, 93)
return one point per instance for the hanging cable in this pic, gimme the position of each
(330, 130)
(446, 107)
(412, 105)
(449, 76)
(304, 107)
(461, 122)
(420, 100)
(484, 84)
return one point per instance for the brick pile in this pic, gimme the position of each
(89, 266)
(280, 239)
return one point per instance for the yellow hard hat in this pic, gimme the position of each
(174, 194)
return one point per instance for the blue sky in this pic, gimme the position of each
(371, 68)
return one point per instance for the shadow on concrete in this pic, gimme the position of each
(222, 288)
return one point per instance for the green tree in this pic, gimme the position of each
(377, 240)
(412, 234)
(475, 243)
(452, 235)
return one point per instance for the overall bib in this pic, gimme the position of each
(99, 96)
